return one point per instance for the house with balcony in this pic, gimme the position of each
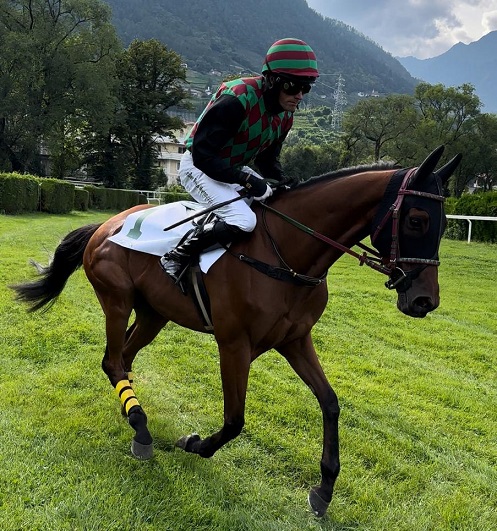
(169, 152)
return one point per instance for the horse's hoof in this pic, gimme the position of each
(187, 441)
(142, 451)
(316, 503)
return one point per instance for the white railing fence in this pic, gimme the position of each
(469, 219)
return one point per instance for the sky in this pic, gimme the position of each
(421, 28)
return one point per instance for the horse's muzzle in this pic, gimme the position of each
(417, 307)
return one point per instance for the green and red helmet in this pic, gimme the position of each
(291, 58)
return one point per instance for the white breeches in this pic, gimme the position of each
(209, 192)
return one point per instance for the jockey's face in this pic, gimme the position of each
(290, 102)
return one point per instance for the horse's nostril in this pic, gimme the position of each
(424, 304)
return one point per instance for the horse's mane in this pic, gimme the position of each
(345, 172)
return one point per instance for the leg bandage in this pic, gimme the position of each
(126, 395)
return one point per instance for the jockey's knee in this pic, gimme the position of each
(245, 221)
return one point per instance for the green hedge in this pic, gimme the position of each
(479, 204)
(27, 193)
(112, 199)
(81, 199)
(57, 197)
(18, 193)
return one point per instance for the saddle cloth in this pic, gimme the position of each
(143, 231)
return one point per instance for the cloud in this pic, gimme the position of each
(489, 21)
(422, 28)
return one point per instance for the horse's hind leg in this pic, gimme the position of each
(302, 357)
(117, 312)
(148, 323)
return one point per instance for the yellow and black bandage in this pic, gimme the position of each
(126, 395)
(130, 378)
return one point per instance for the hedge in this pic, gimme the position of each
(57, 197)
(27, 193)
(479, 204)
(18, 193)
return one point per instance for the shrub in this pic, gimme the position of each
(57, 197)
(18, 193)
(484, 204)
(81, 199)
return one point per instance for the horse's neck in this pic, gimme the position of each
(342, 210)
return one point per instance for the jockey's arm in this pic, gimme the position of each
(268, 162)
(219, 124)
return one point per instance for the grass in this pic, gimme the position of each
(418, 423)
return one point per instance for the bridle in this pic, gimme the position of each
(398, 278)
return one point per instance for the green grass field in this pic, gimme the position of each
(418, 423)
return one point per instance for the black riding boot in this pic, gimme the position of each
(201, 238)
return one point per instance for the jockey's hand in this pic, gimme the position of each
(256, 188)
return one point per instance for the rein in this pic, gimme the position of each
(398, 278)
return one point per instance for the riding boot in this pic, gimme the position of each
(203, 237)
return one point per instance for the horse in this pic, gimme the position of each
(267, 291)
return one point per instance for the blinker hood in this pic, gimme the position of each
(409, 246)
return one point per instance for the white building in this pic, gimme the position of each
(169, 151)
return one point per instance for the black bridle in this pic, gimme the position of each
(398, 278)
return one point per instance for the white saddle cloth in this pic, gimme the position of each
(143, 231)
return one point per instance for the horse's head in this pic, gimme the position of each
(407, 231)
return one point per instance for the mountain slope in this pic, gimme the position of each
(474, 63)
(224, 35)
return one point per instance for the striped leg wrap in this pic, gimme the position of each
(126, 395)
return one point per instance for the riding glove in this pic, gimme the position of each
(257, 188)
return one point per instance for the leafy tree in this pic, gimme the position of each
(304, 161)
(375, 127)
(56, 69)
(479, 156)
(151, 80)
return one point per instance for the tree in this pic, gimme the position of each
(151, 81)
(56, 71)
(304, 161)
(451, 116)
(376, 128)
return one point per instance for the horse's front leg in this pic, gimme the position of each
(302, 357)
(235, 366)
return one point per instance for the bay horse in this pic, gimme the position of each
(252, 312)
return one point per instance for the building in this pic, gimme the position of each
(169, 151)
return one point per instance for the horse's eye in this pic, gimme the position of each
(415, 223)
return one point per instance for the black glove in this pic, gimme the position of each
(257, 188)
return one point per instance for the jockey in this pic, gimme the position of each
(246, 120)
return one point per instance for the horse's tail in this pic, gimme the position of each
(68, 257)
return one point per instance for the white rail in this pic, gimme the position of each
(469, 219)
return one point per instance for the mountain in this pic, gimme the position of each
(234, 35)
(474, 63)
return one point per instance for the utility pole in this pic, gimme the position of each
(340, 100)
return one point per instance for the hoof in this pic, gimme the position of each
(142, 451)
(317, 504)
(187, 441)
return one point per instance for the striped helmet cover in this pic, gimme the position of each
(291, 57)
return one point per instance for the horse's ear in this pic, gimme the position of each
(427, 166)
(448, 169)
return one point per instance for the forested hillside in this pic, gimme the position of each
(231, 36)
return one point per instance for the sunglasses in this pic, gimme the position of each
(292, 89)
